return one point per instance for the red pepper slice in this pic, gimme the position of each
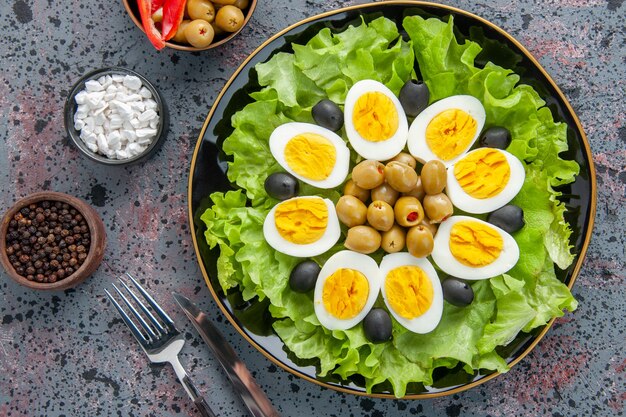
(156, 5)
(145, 10)
(412, 216)
(173, 11)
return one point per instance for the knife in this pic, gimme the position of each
(253, 397)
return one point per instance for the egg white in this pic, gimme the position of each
(449, 264)
(461, 200)
(379, 151)
(349, 260)
(329, 238)
(417, 132)
(428, 321)
(284, 133)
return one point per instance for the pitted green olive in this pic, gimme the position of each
(408, 211)
(393, 239)
(386, 193)
(368, 174)
(419, 241)
(438, 207)
(400, 176)
(380, 215)
(406, 159)
(434, 177)
(352, 189)
(417, 191)
(351, 211)
(426, 222)
(363, 239)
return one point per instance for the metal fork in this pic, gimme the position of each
(160, 339)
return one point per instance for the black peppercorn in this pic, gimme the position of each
(47, 241)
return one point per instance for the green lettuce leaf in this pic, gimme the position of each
(369, 51)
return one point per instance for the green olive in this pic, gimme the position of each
(417, 191)
(216, 29)
(201, 9)
(229, 18)
(158, 15)
(380, 215)
(406, 159)
(426, 222)
(180, 33)
(393, 239)
(351, 211)
(419, 241)
(400, 176)
(438, 207)
(408, 211)
(352, 189)
(363, 239)
(368, 174)
(199, 33)
(386, 193)
(434, 177)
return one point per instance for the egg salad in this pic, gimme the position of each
(392, 205)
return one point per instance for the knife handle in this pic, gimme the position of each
(198, 400)
(203, 407)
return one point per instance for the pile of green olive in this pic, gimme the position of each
(206, 20)
(391, 206)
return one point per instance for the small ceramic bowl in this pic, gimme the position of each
(94, 254)
(74, 135)
(133, 12)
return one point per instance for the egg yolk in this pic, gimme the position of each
(311, 156)
(483, 173)
(409, 291)
(375, 117)
(302, 220)
(345, 293)
(449, 133)
(475, 244)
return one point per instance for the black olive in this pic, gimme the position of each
(495, 137)
(304, 276)
(377, 326)
(328, 114)
(457, 292)
(281, 185)
(509, 218)
(414, 97)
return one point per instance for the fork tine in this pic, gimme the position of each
(131, 325)
(162, 314)
(147, 312)
(146, 326)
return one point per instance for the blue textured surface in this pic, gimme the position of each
(68, 354)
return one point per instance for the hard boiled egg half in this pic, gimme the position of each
(375, 121)
(345, 290)
(472, 249)
(446, 129)
(484, 180)
(302, 226)
(311, 153)
(412, 291)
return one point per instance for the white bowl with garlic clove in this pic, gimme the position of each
(115, 116)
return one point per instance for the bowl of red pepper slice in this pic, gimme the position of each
(160, 20)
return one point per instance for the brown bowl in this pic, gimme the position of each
(133, 12)
(96, 247)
